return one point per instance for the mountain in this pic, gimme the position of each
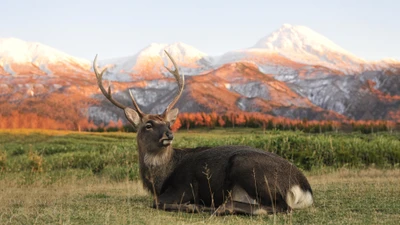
(304, 46)
(233, 87)
(294, 72)
(18, 57)
(149, 62)
(32, 74)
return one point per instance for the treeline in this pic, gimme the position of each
(268, 122)
(16, 120)
(188, 121)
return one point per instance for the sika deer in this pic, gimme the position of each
(225, 179)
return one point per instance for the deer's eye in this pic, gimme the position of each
(149, 126)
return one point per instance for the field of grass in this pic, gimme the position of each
(49, 177)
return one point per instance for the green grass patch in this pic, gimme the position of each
(115, 154)
(49, 177)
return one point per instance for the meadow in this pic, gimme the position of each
(60, 177)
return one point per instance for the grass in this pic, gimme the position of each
(341, 197)
(113, 153)
(52, 177)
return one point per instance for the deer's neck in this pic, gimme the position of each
(156, 168)
(159, 159)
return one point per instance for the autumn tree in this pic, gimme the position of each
(177, 124)
(198, 119)
(240, 119)
(221, 122)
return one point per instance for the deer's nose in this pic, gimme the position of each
(169, 135)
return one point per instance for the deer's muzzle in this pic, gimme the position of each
(167, 138)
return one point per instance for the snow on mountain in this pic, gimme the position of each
(18, 56)
(268, 62)
(282, 53)
(307, 72)
(301, 44)
(298, 39)
(304, 46)
(388, 63)
(19, 51)
(150, 61)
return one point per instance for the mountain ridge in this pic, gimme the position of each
(298, 44)
(18, 57)
(266, 78)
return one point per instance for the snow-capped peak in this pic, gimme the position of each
(184, 50)
(151, 59)
(389, 60)
(13, 50)
(178, 50)
(152, 50)
(304, 45)
(22, 58)
(297, 38)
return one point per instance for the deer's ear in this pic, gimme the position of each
(132, 116)
(172, 115)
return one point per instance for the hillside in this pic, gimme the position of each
(292, 73)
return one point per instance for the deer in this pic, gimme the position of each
(222, 180)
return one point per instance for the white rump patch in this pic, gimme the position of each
(297, 198)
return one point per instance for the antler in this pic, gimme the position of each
(99, 77)
(179, 78)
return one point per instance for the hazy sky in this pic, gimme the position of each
(114, 28)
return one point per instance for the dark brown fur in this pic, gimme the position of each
(224, 180)
(205, 176)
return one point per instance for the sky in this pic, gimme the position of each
(117, 28)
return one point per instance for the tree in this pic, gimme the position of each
(198, 119)
(177, 124)
(240, 119)
(221, 121)
(207, 120)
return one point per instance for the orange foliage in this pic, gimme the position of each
(240, 119)
(176, 125)
(221, 122)
(32, 121)
(198, 119)
(266, 121)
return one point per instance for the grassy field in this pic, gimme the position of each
(50, 177)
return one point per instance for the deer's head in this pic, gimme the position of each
(154, 131)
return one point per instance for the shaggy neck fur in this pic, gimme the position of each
(155, 168)
(158, 159)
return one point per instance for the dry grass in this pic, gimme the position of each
(341, 197)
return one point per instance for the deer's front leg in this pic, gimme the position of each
(181, 199)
